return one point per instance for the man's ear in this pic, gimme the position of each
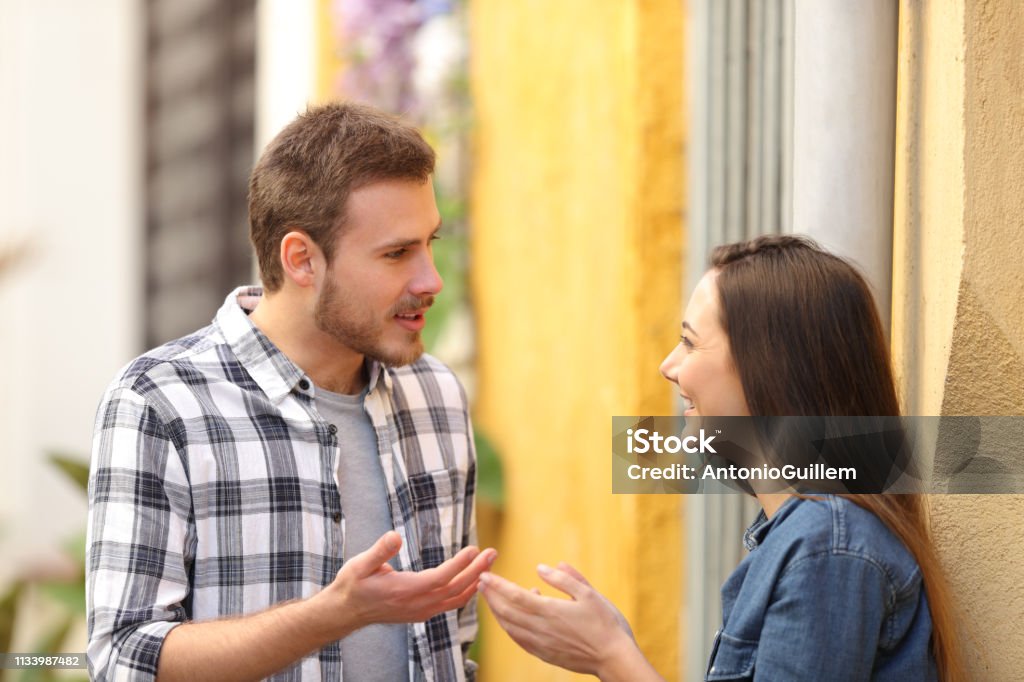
(301, 259)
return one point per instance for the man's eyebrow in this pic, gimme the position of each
(404, 243)
(686, 325)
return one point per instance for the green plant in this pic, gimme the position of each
(68, 594)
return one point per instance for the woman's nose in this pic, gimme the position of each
(670, 365)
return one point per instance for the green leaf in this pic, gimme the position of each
(51, 643)
(75, 547)
(490, 480)
(76, 469)
(9, 613)
(70, 595)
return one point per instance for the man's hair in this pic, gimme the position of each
(306, 174)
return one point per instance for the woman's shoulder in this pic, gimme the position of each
(827, 527)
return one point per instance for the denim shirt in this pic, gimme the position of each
(827, 592)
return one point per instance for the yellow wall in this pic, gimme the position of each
(958, 296)
(576, 257)
(327, 48)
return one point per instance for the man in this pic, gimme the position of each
(279, 493)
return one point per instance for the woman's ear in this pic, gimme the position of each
(300, 258)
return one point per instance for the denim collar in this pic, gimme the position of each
(762, 525)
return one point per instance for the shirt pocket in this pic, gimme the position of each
(731, 659)
(434, 507)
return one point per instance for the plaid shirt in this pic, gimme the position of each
(213, 492)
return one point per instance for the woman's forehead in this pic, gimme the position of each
(702, 310)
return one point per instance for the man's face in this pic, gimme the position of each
(382, 278)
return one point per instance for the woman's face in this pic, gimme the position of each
(701, 365)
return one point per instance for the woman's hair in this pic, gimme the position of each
(806, 339)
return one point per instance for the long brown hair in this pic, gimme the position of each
(793, 310)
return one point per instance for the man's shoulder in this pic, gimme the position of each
(431, 379)
(172, 361)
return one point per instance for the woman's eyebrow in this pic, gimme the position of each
(686, 325)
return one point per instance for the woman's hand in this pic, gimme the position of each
(586, 634)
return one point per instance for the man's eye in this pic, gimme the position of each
(395, 255)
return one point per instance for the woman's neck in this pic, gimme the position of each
(771, 502)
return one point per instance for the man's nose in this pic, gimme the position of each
(427, 281)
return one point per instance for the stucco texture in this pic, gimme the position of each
(576, 278)
(958, 313)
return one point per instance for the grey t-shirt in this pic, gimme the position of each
(379, 651)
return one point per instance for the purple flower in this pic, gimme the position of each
(377, 36)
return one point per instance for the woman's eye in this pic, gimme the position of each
(686, 342)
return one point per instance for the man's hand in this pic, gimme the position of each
(369, 590)
(586, 633)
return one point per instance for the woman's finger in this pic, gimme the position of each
(506, 610)
(564, 581)
(527, 639)
(573, 572)
(522, 599)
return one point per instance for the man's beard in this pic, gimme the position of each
(355, 327)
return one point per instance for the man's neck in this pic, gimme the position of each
(289, 325)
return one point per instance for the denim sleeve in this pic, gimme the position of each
(824, 619)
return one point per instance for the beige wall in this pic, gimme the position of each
(958, 295)
(576, 262)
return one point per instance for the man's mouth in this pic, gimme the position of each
(413, 321)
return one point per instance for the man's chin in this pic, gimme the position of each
(398, 357)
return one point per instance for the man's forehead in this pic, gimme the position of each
(391, 198)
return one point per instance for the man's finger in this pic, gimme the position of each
(367, 563)
(472, 573)
(434, 578)
(563, 581)
(459, 600)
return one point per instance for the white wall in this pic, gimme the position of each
(844, 132)
(70, 183)
(285, 64)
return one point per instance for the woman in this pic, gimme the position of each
(835, 587)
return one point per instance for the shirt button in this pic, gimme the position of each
(304, 385)
(337, 517)
(333, 429)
